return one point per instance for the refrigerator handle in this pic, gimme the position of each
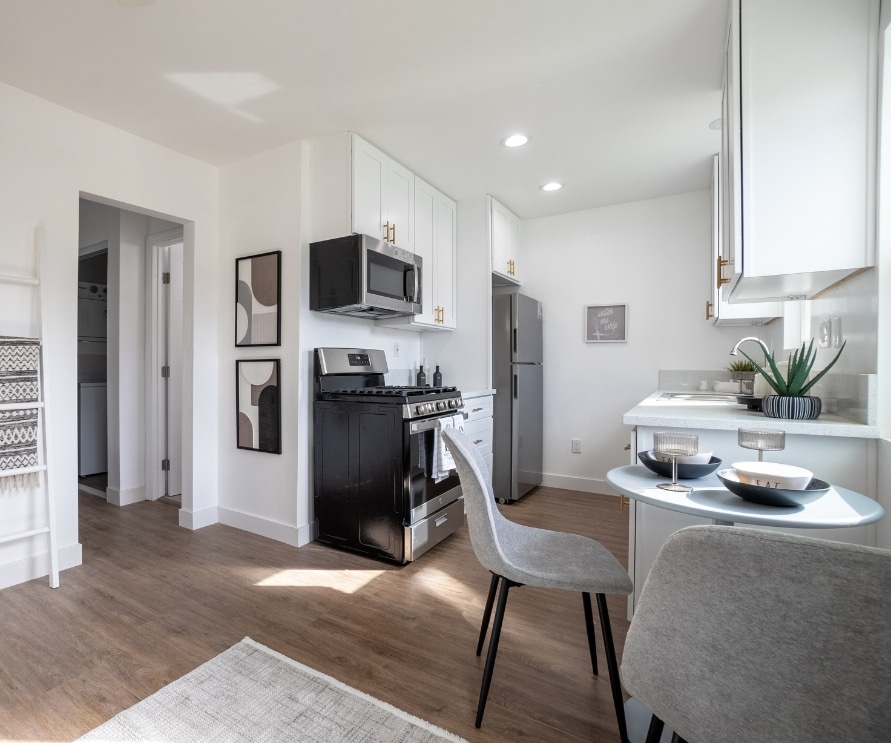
(515, 339)
(516, 385)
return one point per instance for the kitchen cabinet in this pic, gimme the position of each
(840, 460)
(505, 245)
(479, 424)
(435, 241)
(799, 145)
(356, 188)
(718, 309)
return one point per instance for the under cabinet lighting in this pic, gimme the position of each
(515, 140)
(552, 186)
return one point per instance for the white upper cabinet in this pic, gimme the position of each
(357, 188)
(505, 245)
(717, 309)
(435, 241)
(799, 150)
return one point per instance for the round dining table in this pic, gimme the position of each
(838, 507)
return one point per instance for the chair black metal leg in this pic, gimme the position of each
(589, 625)
(506, 585)
(654, 733)
(612, 666)
(487, 614)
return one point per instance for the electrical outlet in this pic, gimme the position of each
(824, 334)
(835, 332)
(576, 446)
(395, 349)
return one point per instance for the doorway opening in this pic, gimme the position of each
(142, 327)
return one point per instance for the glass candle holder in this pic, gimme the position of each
(762, 441)
(674, 445)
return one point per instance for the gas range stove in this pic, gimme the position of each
(357, 375)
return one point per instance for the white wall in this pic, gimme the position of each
(653, 255)
(265, 205)
(49, 158)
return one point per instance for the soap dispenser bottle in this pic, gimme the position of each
(437, 377)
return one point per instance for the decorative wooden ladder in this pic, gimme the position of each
(40, 405)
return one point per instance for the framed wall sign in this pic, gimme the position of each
(606, 323)
(258, 289)
(257, 406)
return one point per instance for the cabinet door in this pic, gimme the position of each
(802, 81)
(399, 202)
(720, 311)
(426, 202)
(505, 243)
(445, 292)
(369, 208)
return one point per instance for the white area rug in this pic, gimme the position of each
(252, 693)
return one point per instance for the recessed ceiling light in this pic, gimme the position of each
(552, 186)
(716, 125)
(515, 140)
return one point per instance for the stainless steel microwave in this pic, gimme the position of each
(362, 276)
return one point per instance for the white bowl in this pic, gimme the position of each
(702, 457)
(773, 475)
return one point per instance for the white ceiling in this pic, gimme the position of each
(616, 95)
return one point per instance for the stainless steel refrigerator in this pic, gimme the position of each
(517, 376)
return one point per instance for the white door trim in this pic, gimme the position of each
(154, 338)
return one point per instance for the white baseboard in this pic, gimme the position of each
(38, 566)
(296, 536)
(198, 519)
(125, 497)
(583, 484)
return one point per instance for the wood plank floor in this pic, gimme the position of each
(152, 601)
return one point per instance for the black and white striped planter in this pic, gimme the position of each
(803, 408)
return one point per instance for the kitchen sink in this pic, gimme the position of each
(699, 396)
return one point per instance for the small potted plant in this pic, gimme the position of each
(742, 371)
(791, 400)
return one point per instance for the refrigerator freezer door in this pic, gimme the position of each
(526, 329)
(527, 438)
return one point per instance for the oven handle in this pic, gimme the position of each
(430, 423)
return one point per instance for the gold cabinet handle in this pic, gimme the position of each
(387, 231)
(720, 272)
(627, 447)
(393, 240)
(624, 500)
(477, 441)
(476, 410)
(708, 310)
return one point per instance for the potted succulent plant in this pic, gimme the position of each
(791, 399)
(742, 371)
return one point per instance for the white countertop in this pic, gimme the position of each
(656, 410)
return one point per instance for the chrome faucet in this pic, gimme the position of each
(760, 342)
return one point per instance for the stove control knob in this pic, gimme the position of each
(419, 409)
(440, 405)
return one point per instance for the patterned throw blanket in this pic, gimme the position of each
(19, 358)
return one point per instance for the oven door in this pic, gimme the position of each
(424, 494)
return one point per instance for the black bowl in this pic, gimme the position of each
(751, 402)
(772, 496)
(685, 471)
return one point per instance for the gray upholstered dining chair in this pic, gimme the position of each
(518, 555)
(746, 635)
